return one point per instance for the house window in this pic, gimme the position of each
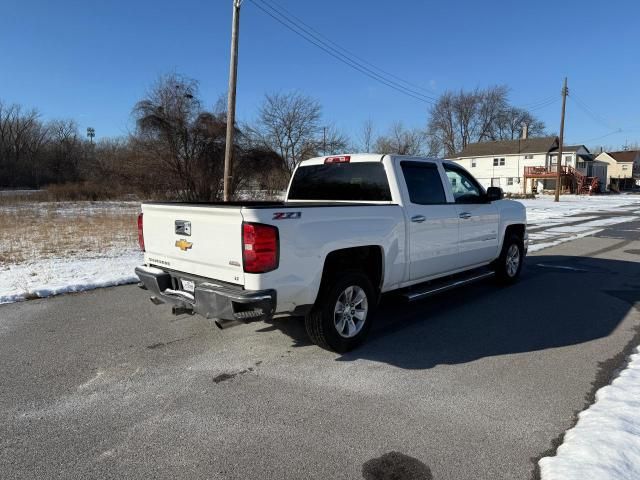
(473, 162)
(528, 157)
(495, 162)
(501, 161)
(495, 182)
(625, 167)
(567, 158)
(510, 181)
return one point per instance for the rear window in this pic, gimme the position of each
(364, 181)
(424, 183)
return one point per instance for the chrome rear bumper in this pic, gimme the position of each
(210, 299)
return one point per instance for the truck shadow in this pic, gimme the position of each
(560, 301)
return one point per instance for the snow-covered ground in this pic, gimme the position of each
(53, 276)
(574, 217)
(61, 247)
(605, 443)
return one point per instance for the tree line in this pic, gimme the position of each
(177, 147)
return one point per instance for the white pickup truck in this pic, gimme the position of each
(352, 227)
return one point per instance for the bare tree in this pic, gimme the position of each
(66, 150)
(366, 136)
(330, 142)
(458, 119)
(289, 124)
(186, 140)
(509, 124)
(401, 141)
(22, 139)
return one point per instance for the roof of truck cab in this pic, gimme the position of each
(368, 157)
(353, 158)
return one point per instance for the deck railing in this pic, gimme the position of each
(545, 172)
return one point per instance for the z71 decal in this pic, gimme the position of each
(286, 215)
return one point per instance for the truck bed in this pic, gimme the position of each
(261, 204)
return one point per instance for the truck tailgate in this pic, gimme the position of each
(198, 240)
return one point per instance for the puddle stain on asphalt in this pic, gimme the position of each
(223, 377)
(395, 466)
(165, 344)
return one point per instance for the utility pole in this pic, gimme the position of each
(324, 140)
(565, 92)
(231, 100)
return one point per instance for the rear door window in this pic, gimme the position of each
(359, 181)
(424, 183)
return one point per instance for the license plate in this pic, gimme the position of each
(188, 285)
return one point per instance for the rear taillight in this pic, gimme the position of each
(260, 247)
(140, 234)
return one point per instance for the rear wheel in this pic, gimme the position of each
(341, 318)
(509, 264)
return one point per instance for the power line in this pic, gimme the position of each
(543, 105)
(276, 6)
(590, 112)
(546, 100)
(619, 130)
(318, 42)
(298, 26)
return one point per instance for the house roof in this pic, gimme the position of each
(510, 147)
(573, 148)
(624, 155)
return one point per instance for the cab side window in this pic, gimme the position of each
(424, 183)
(465, 188)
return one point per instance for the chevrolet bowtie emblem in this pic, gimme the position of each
(183, 245)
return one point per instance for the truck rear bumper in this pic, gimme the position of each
(210, 299)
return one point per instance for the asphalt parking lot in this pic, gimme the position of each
(475, 384)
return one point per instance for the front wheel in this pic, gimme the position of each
(341, 318)
(509, 264)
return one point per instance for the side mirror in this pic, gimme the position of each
(494, 193)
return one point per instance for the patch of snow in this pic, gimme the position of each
(568, 229)
(605, 443)
(603, 222)
(555, 223)
(43, 278)
(543, 207)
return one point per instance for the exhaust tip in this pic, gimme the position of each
(224, 324)
(181, 310)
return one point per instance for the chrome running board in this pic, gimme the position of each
(437, 287)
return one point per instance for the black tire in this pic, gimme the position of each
(505, 273)
(320, 322)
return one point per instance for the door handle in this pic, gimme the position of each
(418, 218)
(465, 215)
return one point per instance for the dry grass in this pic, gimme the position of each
(74, 192)
(30, 231)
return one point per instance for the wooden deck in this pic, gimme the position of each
(544, 172)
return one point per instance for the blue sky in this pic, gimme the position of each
(92, 61)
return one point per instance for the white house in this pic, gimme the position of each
(623, 168)
(526, 164)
